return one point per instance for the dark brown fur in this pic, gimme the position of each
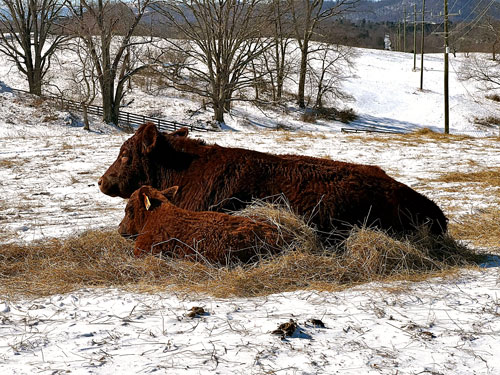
(213, 236)
(331, 194)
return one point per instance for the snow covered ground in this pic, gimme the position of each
(434, 327)
(48, 184)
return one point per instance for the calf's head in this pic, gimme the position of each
(143, 202)
(136, 161)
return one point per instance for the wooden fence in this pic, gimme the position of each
(127, 118)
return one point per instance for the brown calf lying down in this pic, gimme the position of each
(216, 237)
(332, 194)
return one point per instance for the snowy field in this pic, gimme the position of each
(48, 184)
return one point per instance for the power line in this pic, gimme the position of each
(438, 27)
(475, 21)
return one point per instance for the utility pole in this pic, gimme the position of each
(414, 37)
(404, 28)
(446, 35)
(422, 48)
(399, 35)
(446, 67)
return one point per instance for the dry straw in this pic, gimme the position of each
(480, 229)
(104, 259)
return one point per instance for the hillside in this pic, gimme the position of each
(392, 10)
(73, 300)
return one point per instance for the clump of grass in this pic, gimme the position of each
(438, 136)
(7, 163)
(480, 229)
(104, 259)
(420, 136)
(50, 118)
(489, 176)
(372, 255)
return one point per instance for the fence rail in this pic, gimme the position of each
(369, 130)
(128, 118)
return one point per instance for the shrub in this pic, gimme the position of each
(345, 115)
(489, 121)
(494, 97)
(308, 116)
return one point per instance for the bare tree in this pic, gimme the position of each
(491, 34)
(219, 39)
(82, 82)
(482, 70)
(277, 60)
(107, 29)
(307, 16)
(328, 67)
(30, 35)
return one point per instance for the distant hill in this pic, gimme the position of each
(392, 10)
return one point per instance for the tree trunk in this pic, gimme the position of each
(279, 84)
(109, 105)
(255, 83)
(302, 76)
(227, 106)
(319, 97)
(115, 113)
(86, 125)
(35, 82)
(219, 112)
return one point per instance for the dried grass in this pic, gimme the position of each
(420, 136)
(490, 176)
(292, 136)
(428, 134)
(7, 163)
(481, 229)
(104, 259)
(287, 223)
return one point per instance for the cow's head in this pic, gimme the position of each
(135, 163)
(143, 202)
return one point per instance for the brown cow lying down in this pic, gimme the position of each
(332, 194)
(161, 227)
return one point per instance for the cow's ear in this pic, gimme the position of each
(170, 192)
(149, 138)
(182, 132)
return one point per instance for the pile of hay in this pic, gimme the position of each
(104, 259)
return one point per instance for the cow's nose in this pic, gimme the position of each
(99, 182)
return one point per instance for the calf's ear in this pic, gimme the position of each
(170, 192)
(147, 203)
(149, 137)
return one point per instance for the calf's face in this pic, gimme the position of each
(142, 203)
